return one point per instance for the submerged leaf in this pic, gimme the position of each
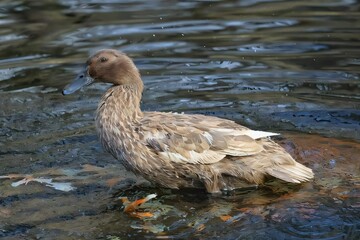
(131, 206)
(65, 187)
(200, 227)
(225, 217)
(142, 214)
(12, 176)
(113, 181)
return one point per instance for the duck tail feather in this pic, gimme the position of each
(296, 173)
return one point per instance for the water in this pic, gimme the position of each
(285, 66)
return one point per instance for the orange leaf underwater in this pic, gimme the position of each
(225, 217)
(130, 207)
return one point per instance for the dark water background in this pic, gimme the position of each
(286, 66)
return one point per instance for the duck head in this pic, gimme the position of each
(109, 66)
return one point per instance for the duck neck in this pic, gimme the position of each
(118, 114)
(117, 118)
(121, 104)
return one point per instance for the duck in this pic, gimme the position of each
(177, 150)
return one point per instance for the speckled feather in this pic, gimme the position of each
(181, 150)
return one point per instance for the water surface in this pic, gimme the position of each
(285, 66)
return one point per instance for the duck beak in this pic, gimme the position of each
(83, 79)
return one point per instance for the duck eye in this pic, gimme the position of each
(103, 59)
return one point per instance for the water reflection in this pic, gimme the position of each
(288, 66)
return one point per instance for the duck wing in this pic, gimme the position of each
(198, 139)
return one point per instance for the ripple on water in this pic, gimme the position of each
(22, 59)
(310, 221)
(10, 37)
(100, 6)
(175, 27)
(282, 48)
(179, 27)
(6, 74)
(346, 120)
(261, 24)
(298, 78)
(173, 46)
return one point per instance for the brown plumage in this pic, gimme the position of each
(179, 150)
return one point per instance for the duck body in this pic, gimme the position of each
(180, 150)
